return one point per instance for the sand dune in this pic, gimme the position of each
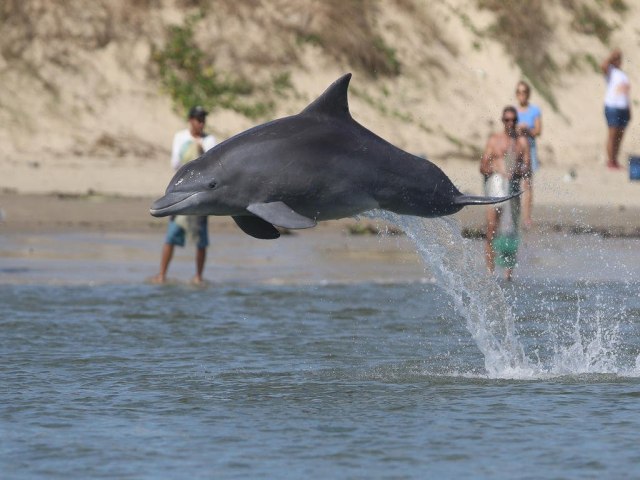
(93, 118)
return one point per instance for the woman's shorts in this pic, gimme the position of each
(177, 233)
(617, 117)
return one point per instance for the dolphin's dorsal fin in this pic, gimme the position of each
(333, 102)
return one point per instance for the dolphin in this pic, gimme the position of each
(317, 165)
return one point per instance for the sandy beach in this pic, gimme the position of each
(86, 152)
(575, 199)
(97, 239)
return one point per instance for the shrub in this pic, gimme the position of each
(190, 79)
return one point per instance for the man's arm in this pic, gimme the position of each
(604, 67)
(486, 162)
(175, 151)
(208, 142)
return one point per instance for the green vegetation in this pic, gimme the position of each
(377, 104)
(351, 33)
(381, 107)
(465, 149)
(391, 62)
(589, 22)
(348, 31)
(310, 38)
(526, 32)
(282, 83)
(344, 30)
(618, 6)
(191, 79)
(592, 62)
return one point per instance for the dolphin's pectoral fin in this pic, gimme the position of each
(280, 214)
(257, 228)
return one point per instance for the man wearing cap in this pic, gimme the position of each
(188, 144)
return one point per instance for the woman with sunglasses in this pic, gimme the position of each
(529, 125)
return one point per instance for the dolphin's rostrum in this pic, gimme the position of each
(317, 165)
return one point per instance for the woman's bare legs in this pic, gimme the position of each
(613, 146)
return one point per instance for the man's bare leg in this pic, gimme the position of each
(616, 145)
(611, 135)
(167, 255)
(493, 217)
(508, 273)
(613, 146)
(527, 202)
(201, 256)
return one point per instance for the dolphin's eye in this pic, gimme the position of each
(213, 184)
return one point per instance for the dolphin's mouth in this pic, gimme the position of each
(172, 204)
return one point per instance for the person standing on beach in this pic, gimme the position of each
(188, 145)
(617, 107)
(504, 163)
(529, 125)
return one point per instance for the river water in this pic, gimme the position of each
(442, 373)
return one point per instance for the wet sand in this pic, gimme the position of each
(101, 213)
(324, 257)
(130, 257)
(61, 239)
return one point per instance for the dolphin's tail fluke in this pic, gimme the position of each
(464, 200)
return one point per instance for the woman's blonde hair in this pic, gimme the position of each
(524, 84)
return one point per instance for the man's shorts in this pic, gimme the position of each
(182, 226)
(506, 250)
(617, 117)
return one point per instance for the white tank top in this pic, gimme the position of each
(616, 95)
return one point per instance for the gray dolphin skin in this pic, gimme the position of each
(317, 165)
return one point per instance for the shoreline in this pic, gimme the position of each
(65, 239)
(63, 212)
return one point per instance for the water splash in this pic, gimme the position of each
(587, 353)
(588, 346)
(591, 345)
(476, 297)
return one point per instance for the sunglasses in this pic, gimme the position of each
(508, 119)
